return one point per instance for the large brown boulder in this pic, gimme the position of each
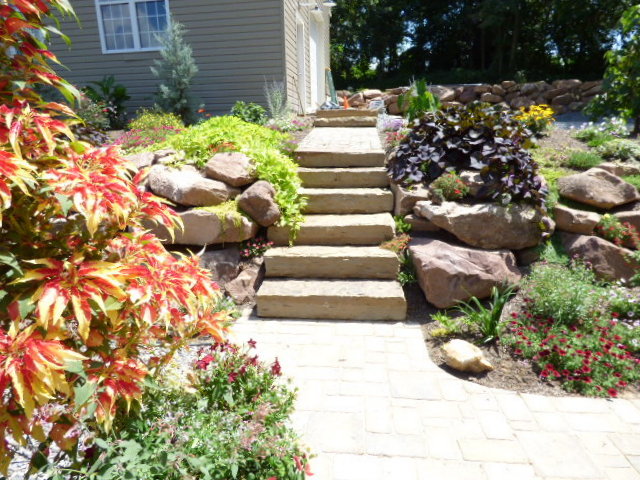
(232, 168)
(445, 94)
(598, 188)
(258, 201)
(205, 227)
(608, 261)
(629, 213)
(621, 169)
(486, 225)
(575, 221)
(448, 273)
(185, 186)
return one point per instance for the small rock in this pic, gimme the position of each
(473, 180)
(629, 213)
(243, 288)
(498, 90)
(575, 221)
(232, 168)
(258, 201)
(598, 188)
(405, 198)
(465, 357)
(419, 224)
(223, 264)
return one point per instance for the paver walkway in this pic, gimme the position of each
(372, 405)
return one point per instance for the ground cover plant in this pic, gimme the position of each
(148, 128)
(263, 145)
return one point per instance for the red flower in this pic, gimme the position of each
(233, 376)
(612, 392)
(276, 369)
(252, 343)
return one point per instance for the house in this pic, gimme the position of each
(238, 45)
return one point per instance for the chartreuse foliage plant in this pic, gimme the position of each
(263, 145)
(91, 305)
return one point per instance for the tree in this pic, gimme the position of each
(622, 77)
(175, 71)
(91, 304)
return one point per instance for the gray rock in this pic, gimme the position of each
(486, 225)
(187, 187)
(608, 261)
(232, 168)
(598, 188)
(203, 227)
(473, 180)
(223, 264)
(448, 274)
(406, 198)
(258, 201)
(575, 221)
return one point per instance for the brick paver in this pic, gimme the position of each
(372, 405)
(345, 140)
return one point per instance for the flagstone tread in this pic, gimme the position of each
(332, 299)
(365, 177)
(357, 229)
(320, 261)
(347, 200)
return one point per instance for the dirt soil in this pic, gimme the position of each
(562, 141)
(510, 373)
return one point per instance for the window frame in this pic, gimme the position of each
(133, 15)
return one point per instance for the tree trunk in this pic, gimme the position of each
(636, 127)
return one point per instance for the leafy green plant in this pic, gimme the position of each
(584, 160)
(450, 325)
(263, 145)
(633, 180)
(486, 320)
(113, 95)
(402, 226)
(150, 119)
(620, 149)
(93, 113)
(450, 186)
(569, 295)
(249, 112)
(552, 251)
(622, 76)
(418, 101)
(472, 137)
(175, 70)
(400, 246)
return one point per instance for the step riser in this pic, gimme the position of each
(341, 179)
(334, 267)
(349, 203)
(337, 235)
(345, 122)
(331, 308)
(340, 159)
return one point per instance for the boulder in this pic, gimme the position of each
(564, 99)
(480, 89)
(473, 180)
(529, 89)
(419, 224)
(204, 227)
(258, 201)
(609, 261)
(629, 213)
(465, 357)
(490, 98)
(595, 90)
(508, 84)
(498, 90)
(232, 168)
(589, 85)
(141, 160)
(468, 95)
(568, 84)
(598, 188)
(621, 169)
(356, 99)
(486, 225)
(449, 273)
(394, 109)
(224, 265)
(371, 93)
(404, 198)
(389, 99)
(186, 186)
(398, 90)
(521, 101)
(575, 221)
(445, 94)
(243, 288)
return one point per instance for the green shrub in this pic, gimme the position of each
(450, 187)
(568, 295)
(418, 101)
(224, 417)
(584, 160)
(249, 112)
(263, 145)
(113, 95)
(486, 321)
(594, 136)
(621, 150)
(150, 119)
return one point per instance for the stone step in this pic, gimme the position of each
(331, 262)
(361, 229)
(344, 177)
(311, 159)
(347, 200)
(332, 299)
(342, 122)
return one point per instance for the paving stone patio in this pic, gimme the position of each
(372, 405)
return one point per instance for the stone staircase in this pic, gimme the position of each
(336, 270)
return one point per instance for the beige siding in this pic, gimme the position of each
(237, 44)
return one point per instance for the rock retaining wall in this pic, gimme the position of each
(562, 95)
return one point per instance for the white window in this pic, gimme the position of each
(131, 25)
